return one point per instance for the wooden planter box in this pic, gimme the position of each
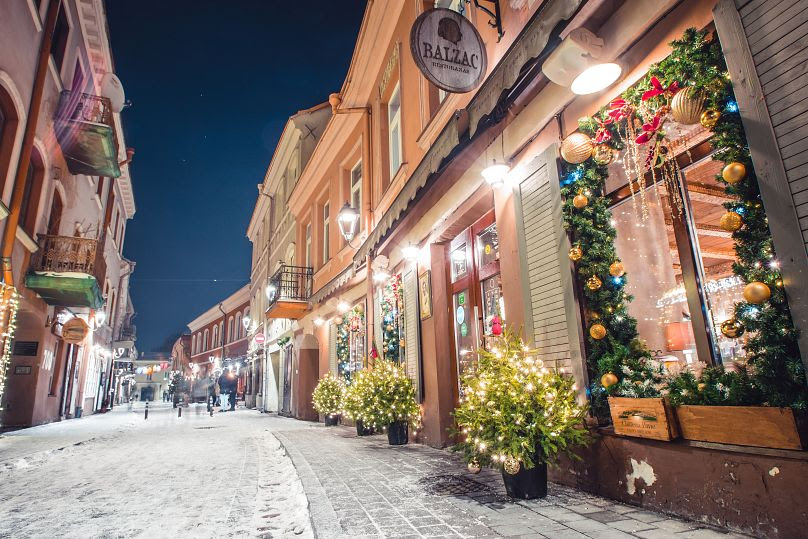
(643, 418)
(759, 426)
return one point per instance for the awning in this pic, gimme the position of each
(328, 288)
(528, 45)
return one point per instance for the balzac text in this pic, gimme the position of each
(460, 59)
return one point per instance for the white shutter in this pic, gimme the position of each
(332, 347)
(412, 341)
(551, 307)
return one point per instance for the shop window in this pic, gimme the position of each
(670, 236)
(350, 338)
(391, 304)
(478, 310)
(394, 130)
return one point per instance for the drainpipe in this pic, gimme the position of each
(28, 142)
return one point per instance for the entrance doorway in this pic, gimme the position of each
(478, 310)
(286, 358)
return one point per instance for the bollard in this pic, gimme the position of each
(146, 414)
(179, 411)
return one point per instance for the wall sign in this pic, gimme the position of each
(22, 369)
(75, 330)
(425, 294)
(25, 348)
(448, 50)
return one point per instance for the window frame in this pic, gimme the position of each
(355, 188)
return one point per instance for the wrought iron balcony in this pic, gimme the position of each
(288, 291)
(86, 132)
(66, 270)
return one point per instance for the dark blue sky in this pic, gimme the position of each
(212, 83)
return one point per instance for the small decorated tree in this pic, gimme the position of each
(327, 398)
(357, 402)
(518, 414)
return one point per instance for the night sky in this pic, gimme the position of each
(212, 84)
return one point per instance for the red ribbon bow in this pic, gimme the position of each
(649, 129)
(658, 89)
(602, 135)
(618, 109)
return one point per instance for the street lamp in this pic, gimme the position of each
(494, 174)
(271, 289)
(246, 323)
(348, 219)
(100, 317)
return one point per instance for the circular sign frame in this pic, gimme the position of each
(444, 41)
(75, 330)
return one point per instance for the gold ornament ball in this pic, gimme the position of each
(756, 292)
(687, 106)
(608, 379)
(597, 332)
(709, 118)
(733, 173)
(576, 148)
(593, 283)
(512, 466)
(576, 253)
(602, 154)
(616, 269)
(580, 201)
(731, 221)
(474, 467)
(732, 328)
(701, 386)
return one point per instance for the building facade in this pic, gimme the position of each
(442, 257)
(67, 197)
(219, 340)
(150, 378)
(272, 234)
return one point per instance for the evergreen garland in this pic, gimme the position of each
(391, 303)
(773, 355)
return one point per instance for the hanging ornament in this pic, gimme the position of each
(756, 292)
(602, 154)
(709, 118)
(731, 221)
(734, 172)
(580, 201)
(701, 386)
(608, 379)
(597, 331)
(593, 283)
(511, 465)
(338, 321)
(576, 253)
(732, 328)
(389, 327)
(474, 467)
(687, 106)
(616, 269)
(576, 148)
(496, 326)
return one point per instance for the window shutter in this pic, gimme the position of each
(412, 341)
(551, 307)
(332, 348)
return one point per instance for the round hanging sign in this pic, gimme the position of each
(448, 50)
(75, 330)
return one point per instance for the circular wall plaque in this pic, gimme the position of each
(75, 330)
(448, 50)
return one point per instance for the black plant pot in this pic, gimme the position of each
(331, 420)
(397, 433)
(361, 430)
(527, 484)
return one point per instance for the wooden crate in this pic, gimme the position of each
(758, 426)
(643, 418)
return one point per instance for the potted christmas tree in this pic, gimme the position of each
(516, 413)
(327, 398)
(356, 402)
(393, 406)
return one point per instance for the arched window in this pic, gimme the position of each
(239, 326)
(230, 335)
(215, 341)
(9, 121)
(221, 332)
(205, 341)
(30, 196)
(194, 340)
(55, 219)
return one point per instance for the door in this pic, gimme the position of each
(287, 380)
(476, 291)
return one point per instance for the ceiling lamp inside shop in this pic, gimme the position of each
(578, 63)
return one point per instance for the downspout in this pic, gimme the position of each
(28, 143)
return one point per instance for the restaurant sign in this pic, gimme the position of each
(448, 50)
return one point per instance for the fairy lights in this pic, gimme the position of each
(9, 302)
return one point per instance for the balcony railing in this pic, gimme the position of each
(288, 291)
(86, 133)
(66, 254)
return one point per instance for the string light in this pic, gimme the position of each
(9, 302)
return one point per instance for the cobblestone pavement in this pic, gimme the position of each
(361, 487)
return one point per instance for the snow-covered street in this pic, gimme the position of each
(118, 475)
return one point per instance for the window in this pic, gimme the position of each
(308, 246)
(60, 36)
(356, 188)
(230, 334)
(55, 219)
(205, 341)
(394, 130)
(326, 253)
(30, 196)
(221, 332)
(117, 227)
(99, 187)
(239, 326)
(215, 340)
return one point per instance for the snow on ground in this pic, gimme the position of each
(118, 475)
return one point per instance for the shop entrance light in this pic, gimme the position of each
(578, 62)
(410, 252)
(348, 219)
(494, 173)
